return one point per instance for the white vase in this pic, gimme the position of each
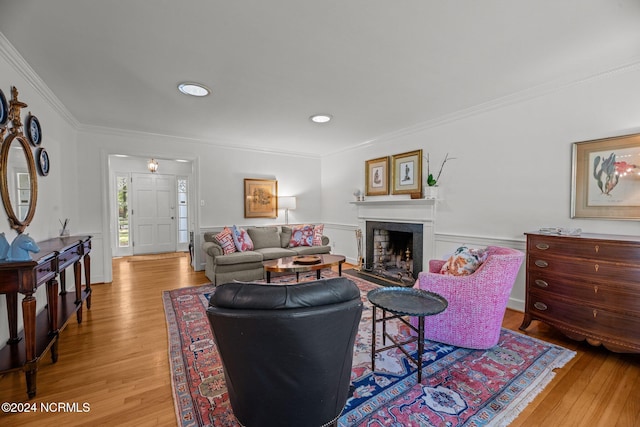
(431, 192)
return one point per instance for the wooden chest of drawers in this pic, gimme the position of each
(587, 286)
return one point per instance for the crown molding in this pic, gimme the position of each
(227, 144)
(497, 103)
(13, 57)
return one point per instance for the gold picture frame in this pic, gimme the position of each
(377, 176)
(606, 178)
(260, 198)
(407, 173)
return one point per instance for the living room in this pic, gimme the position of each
(512, 171)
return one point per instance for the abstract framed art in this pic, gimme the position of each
(606, 178)
(377, 176)
(407, 173)
(260, 198)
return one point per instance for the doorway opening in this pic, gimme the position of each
(151, 212)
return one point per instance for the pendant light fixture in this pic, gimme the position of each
(152, 165)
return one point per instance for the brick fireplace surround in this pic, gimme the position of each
(399, 211)
(381, 250)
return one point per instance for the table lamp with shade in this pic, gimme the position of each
(287, 203)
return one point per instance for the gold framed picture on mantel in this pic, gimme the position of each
(407, 173)
(377, 176)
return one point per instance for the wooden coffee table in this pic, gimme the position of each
(301, 264)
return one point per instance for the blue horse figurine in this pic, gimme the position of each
(20, 248)
(4, 247)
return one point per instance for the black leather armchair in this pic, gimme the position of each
(287, 350)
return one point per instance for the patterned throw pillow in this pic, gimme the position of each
(301, 235)
(226, 241)
(241, 239)
(464, 261)
(317, 235)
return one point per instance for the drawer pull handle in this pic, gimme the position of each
(597, 267)
(542, 246)
(541, 283)
(595, 289)
(597, 248)
(540, 306)
(595, 313)
(541, 263)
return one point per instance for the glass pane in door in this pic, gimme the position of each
(123, 211)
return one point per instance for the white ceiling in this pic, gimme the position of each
(380, 67)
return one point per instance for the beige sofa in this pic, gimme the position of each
(269, 243)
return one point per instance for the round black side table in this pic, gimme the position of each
(401, 302)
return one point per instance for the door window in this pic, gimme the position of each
(122, 183)
(183, 210)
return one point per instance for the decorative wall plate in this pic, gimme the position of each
(34, 132)
(4, 109)
(42, 162)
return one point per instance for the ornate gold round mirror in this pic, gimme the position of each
(18, 181)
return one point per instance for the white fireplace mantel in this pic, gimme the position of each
(399, 210)
(414, 211)
(387, 201)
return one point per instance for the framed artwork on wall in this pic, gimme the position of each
(260, 198)
(407, 173)
(606, 178)
(377, 176)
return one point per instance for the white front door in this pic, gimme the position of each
(153, 213)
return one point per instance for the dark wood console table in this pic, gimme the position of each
(24, 350)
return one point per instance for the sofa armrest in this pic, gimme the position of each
(212, 249)
(325, 240)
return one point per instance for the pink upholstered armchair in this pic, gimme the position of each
(477, 302)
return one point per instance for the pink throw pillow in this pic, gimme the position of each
(317, 235)
(301, 235)
(242, 240)
(226, 241)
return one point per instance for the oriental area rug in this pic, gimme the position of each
(460, 387)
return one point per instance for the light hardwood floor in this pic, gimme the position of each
(116, 361)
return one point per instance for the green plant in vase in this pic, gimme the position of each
(431, 192)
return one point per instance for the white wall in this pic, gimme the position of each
(512, 171)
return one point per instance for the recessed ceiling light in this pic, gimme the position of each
(320, 118)
(194, 89)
